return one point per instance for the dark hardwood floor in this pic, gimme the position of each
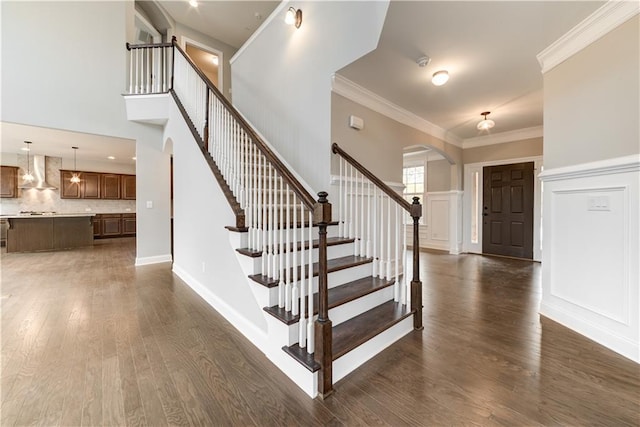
(88, 339)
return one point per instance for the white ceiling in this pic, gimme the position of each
(58, 143)
(229, 21)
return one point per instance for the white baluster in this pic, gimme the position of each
(302, 325)
(310, 336)
(269, 225)
(263, 199)
(294, 256)
(381, 238)
(396, 286)
(356, 245)
(272, 219)
(351, 229)
(287, 252)
(135, 85)
(131, 70)
(282, 294)
(341, 208)
(261, 210)
(345, 216)
(363, 246)
(404, 259)
(369, 218)
(388, 275)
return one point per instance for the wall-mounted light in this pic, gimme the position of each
(27, 177)
(75, 178)
(440, 77)
(485, 124)
(293, 17)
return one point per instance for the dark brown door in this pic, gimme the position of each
(508, 210)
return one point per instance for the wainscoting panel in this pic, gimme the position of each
(591, 255)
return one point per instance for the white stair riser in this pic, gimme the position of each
(335, 251)
(239, 240)
(356, 357)
(281, 332)
(353, 308)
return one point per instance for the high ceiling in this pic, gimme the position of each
(489, 49)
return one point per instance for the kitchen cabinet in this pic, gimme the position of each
(9, 182)
(128, 224)
(50, 232)
(110, 186)
(114, 225)
(90, 183)
(111, 225)
(128, 187)
(96, 185)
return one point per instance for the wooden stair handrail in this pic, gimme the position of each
(335, 148)
(147, 45)
(295, 185)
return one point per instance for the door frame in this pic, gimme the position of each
(469, 169)
(186, 40)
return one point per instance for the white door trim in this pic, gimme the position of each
(469, 169)
(183, 44)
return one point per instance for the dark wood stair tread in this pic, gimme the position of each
(355, 332)
(337, 296)
(335, 264)
(331, 241)
(297, 224)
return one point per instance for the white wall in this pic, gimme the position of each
(64, 66)
(282, 78)
(591, 256)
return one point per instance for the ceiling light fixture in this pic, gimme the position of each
(214, 59)
(193, 3)
(111, 158)
(74, 176)
(485, 124)
(293, 17)
(440, 77)
(423, 61)
(27, 177)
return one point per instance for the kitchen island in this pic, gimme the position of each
(29, 233)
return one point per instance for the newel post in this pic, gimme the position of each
(416, 284)
(323, 349)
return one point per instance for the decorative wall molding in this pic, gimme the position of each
(356, 93)
(502, 137)
(602, 167)
(611, 15)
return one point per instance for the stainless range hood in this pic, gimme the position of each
(39, 176)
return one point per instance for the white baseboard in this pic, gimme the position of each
(157, 259)
(592, 331)
(254, 334)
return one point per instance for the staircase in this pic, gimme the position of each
(333, 285)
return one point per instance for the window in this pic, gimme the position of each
(413, 178)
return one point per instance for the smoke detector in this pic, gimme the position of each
(423, 61)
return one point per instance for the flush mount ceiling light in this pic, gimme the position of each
(74, 177)
(440, 77)
(27, 177)
(193, 3)
(111, 158)
(293, 17)
(485, 124)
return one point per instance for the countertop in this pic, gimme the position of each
(57, 215)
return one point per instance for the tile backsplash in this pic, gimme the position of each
(49, 200)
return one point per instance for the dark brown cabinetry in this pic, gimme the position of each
(96, 185)
(9, 181)
(110, 186)
(114, 225)
(128, 187)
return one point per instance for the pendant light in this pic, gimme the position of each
(27, 177)
(485, 124)
(74, 177)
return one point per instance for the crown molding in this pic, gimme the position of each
(356, 93)
(502, 137)
(611, 15)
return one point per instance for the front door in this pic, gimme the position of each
(508, 210)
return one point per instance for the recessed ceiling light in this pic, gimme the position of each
(193, 3)
(214, 59)
(111, 158)
(133, 158)
(440, 77)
